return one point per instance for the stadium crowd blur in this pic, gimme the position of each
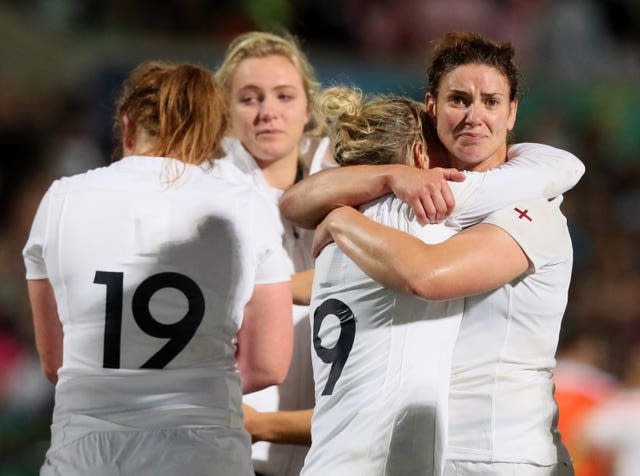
(59, 62)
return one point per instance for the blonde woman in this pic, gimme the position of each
(274, 139)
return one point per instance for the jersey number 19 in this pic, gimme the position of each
(179, 333)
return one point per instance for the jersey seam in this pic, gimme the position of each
(499, 364)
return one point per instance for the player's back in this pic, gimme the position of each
(380, 361)
(151, 278)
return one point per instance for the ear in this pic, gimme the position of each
(420, 157)
(430, 104)
(513, 111)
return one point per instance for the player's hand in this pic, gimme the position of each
(426, 191)
(252, 422)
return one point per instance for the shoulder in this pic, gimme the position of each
(65, 184)
(530, 214)
(539, 227)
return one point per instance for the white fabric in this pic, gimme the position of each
(296, 392)
(387, 414)
(385, 403)
(614, 427)
(121, 451)
(475, 468)
(501, 395)
(127, 251)
(532, 171)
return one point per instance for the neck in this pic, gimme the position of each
(496, 159)
(280, 173)
(141, 144)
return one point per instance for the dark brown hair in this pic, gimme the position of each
(461, 48)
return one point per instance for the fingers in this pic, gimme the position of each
(423, 209)
(427, 192)
(453, 174)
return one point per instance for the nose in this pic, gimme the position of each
(474, 114)
(267, 110)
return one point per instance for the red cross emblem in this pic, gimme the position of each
(523, 214)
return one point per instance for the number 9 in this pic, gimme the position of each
(338, 354)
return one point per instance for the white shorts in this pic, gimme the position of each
(471, 468)
(197, 451)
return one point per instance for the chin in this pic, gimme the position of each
(470, 155)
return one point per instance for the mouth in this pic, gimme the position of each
(268, 132)
(470, 137)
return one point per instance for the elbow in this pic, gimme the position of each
(291, 209)
(50, 373)
(287, 207)
(576, 170)
(427, 286)
(274, 376)
(265, 373)
(263, 378)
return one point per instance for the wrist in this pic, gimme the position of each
(390, 174)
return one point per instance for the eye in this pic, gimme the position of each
(248, 100)
(249, 97)
(456, 100)
(286, 97)
(492, 102)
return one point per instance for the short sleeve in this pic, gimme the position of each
(273, 265)
(539, 228)
(33, 252)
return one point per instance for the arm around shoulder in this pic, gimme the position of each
(561, 169)
(476, 260)
(307, 202)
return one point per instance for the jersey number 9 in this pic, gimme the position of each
(338, 354)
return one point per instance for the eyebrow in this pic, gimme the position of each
(280, 86)
(466, 93)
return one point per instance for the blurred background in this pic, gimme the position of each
(62, 61)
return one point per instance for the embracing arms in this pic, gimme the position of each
(406, 264)
(532, 170)
(307, 202)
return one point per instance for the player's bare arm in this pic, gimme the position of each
(47, 326)
(285, 427)
(301, 287)
(265, 339)
(426, 191)
(480, 258)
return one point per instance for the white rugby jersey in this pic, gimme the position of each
(151, 279)
(501, 405)
(381, 359)
(296, 392)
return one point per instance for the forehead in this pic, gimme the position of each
(476, 77)
(266, 72)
